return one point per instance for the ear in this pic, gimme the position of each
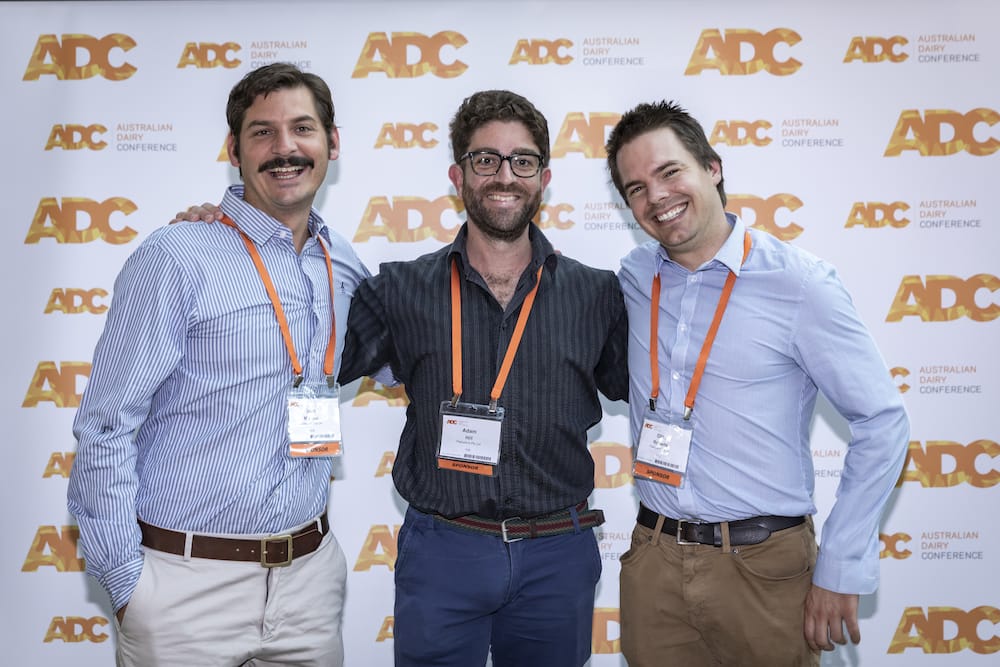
(234, 159)
(334, 144)
(715, 171)
(546, 177)
(457, 177)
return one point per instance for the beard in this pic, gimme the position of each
(503, 225)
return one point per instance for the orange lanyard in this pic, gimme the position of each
(279, 312)
(456, 337)
(706, 347)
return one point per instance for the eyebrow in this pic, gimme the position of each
(294, 121)
(656, 170)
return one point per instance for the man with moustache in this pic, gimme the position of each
(206, 431)
(502, 345)
(723, 567)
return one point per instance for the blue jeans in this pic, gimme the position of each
(459, 593)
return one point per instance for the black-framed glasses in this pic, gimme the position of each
(488, 163)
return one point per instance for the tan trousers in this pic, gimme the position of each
(696, 605)
(211, 612)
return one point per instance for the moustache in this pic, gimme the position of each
(278, 162)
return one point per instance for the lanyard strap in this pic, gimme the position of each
(456, 337)
(706, 347)
(279, 312)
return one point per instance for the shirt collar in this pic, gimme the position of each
(729, 255)
(541, 249)
(259, 226)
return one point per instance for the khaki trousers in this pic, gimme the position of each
(697, 605)
(224, 613)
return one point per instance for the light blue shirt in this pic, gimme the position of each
(789, 329)
(183, 423)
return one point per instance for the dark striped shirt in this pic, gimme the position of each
(574, 344)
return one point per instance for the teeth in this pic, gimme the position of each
(671, 214)
(285, 172)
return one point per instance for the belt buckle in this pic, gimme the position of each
(287, 539)
(680, 529)
(503, 530)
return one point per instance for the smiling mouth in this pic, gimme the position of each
(285, 173)
(671, 214)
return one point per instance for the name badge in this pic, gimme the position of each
(314, 420)
(470, 438)
(662, 455)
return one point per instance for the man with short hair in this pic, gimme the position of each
(206, 432)
(502, 345)
(723, 567)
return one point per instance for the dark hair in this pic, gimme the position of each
(648, 117)
(267, 79)
(489, 105)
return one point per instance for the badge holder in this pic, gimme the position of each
(662, 455)
(314, 420)
(470, 438)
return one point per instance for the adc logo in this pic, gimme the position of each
(724, 52)
(900, 372)
(875, 214)
(580, 134)
(55, 384)
(926, 464)
(926, 134)
(612, 464)
(385, 632)
(604, 619)
(395, 217)
(928, 298)
(890, 546)
(74, 301)
(876, 49)
(59, 220)
(927, 631)
(205, 55)
(369, 390)
(59, 465)
(54, 549)
(379, 549)
(391, 55)
(406, 135)
(740, 133)
(79, 57)
(385, 464)
(541, 52)
(76, 137)
(765, 212)
(73, 629)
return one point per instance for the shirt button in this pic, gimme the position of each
(682, 327)
(675, 375)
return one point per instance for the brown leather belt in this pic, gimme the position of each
(516, 528)
(741, 533)
(270, 551)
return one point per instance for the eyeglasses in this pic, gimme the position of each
(488, 163)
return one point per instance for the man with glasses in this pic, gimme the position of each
(502, 345)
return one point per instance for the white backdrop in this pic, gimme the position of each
(865, 132)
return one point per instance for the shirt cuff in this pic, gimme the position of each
(120, 583)
(854, 576)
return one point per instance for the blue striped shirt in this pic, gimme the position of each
(789, 329)
(183, 422)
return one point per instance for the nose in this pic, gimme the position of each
(506, 173)
(284, 142)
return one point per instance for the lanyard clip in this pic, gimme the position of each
(687, 413)
(331, 381)
(297, 381)
(493, 406)
(454, 399)
(652, 404)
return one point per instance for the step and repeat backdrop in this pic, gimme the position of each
(865, 132)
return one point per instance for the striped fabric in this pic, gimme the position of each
(574, 345)
(183, 420)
